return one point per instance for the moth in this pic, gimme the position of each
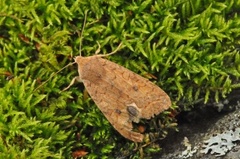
(122, 95)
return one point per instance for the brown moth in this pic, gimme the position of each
(122, 95)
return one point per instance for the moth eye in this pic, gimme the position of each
(132, 111)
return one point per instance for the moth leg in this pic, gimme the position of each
(77, 78)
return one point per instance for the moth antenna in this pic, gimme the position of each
(115, 49)
(53, 75)
(99, 46)
(113, 52)
(81, 34)
(80, 48)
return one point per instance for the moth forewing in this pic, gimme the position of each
(122, 95)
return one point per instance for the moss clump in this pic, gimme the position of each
(192, 47)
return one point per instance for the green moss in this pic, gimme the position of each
(192, 47)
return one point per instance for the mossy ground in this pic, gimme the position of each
(191, 47)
